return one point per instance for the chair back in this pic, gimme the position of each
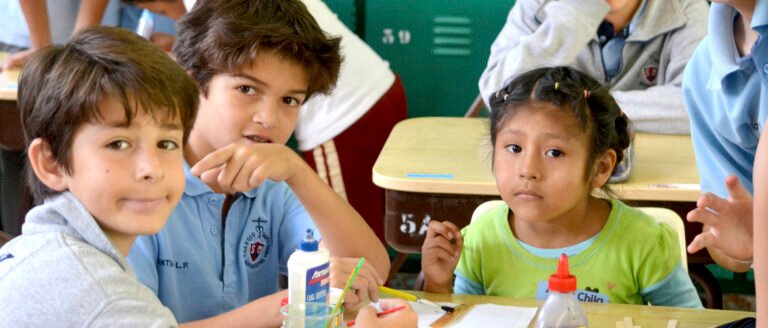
(4, 238)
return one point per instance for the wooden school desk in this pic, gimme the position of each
(606, 315)
(438, 168)
(14, 196)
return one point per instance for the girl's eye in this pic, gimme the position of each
(247, 90)
(290, 101)
(118, 145)
(554, 153)
(514, 148)
(168, 145)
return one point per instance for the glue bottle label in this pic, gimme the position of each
(318, 284)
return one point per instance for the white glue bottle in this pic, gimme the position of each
(309, 273)
(561, 309)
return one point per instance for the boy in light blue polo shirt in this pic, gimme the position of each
(726, 91)
(249, 199)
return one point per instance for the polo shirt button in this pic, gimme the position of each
(214, 231)
(212, 201)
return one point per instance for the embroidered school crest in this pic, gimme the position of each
(256, 245)
(650, 73)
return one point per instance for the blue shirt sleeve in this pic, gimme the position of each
(293, 228)
(465, 286)
(675, 290)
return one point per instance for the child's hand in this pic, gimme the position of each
(405, 318)
(16, 60)
(727, 222)
(242, 167)
(365, 286)
(439, 255)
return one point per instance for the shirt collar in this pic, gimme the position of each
(722, 46)
(196, 187)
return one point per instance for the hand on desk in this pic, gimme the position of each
(16, 59)
(727, 223)
(439, 255)
(405, 318)
(364, 287)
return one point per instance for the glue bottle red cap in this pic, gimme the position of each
(562, 281)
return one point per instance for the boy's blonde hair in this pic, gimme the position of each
(61, 88)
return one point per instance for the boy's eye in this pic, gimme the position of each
(247, 90)
(514, 148)
(554, 153)
(290, 101)
(118, 145)
(168, 145)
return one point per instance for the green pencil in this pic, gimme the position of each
(351, 278)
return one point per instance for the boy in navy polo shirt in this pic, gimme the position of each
(250, 199)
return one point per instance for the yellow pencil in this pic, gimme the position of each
(412, 298)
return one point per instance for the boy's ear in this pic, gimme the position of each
(45, 166)
(603, 168)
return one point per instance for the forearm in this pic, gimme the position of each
(36, 16)
(90, 13)
(760, 229)
(524, 43)
(344, 231)
(658, 109)
(263, 312)
(431, 287)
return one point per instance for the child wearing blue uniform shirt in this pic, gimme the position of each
(556, 135)
(105, 118)
(249, 198)
(726, 91)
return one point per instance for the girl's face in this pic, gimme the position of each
(540, 164)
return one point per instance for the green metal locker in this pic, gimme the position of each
(438, 47)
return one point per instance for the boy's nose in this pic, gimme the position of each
(149, 168)
(266, 115)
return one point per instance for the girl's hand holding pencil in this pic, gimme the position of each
(439, 255)
(364, 287)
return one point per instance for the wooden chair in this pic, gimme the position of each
(4, 238)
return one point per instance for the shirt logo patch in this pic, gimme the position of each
(256, 245)
(650, 73)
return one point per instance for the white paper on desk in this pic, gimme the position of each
(481, 315)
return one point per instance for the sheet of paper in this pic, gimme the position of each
(481, 315)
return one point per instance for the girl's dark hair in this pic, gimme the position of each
(564, 87)
(62, 87)
(220, 36)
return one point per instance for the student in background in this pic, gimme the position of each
(105, 118)
(726, 92)
(636, 48)
(557, 134)
(255, 63)
(341, 134)
(28, 25)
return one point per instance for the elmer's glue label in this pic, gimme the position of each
(309, 273)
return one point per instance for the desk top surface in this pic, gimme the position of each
(451, 155)
(606, 315)
(8, 82)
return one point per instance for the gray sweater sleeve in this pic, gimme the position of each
(132, 312)
(661, 109)
(524, 43)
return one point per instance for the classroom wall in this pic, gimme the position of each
(438, 47)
